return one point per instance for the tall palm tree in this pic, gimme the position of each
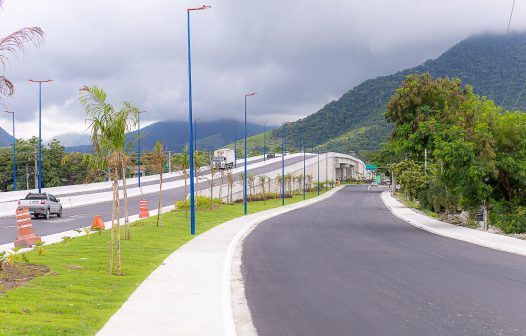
(108, 137)
(14, 44)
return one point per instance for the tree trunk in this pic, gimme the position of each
(211, 189)
(127, 234)
(118, 269)
(112, 231)
(159, 210)
(185, 194)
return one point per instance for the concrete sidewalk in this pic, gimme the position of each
(482, 238)
(191, 292)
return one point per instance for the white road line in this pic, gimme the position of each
(8, 227)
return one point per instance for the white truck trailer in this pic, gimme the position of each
(223, 158)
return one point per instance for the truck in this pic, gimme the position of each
(223, 158)
(41, 204)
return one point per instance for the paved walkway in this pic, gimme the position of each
(190, 293)
(478, 237)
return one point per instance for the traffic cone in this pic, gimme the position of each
(97, 224)
(26, 236)
(143, 209)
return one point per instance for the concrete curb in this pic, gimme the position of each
(477, 237)
(190, 293)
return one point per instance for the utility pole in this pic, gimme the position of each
(27, 177)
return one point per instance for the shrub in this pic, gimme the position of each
(508, 220)
(201, 203)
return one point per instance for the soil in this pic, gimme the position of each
(17, 274)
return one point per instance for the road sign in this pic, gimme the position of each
(378, 179)
(370, 166)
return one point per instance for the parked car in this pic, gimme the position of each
(372, 185)
(271, 155)
(41, 204)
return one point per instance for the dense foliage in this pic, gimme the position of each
(475, 154)
(493, 64)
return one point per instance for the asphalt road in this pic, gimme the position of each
(347, 266)
(82, 216)
(203, 171)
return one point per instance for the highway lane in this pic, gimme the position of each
(347, 266)
(144, 183)
(82, 216)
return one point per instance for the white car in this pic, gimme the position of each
(41, 204)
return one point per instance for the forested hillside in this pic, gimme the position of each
(355, 122)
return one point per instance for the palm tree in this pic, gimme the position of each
(108, 137)
(157, 161)
(230, 181)
(13, 44)
(279, 180)
(182, 162)
(251, 178)
(309, 182)
(262, 180)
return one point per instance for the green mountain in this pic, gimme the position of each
(5, 138)
(495, 65)
(174, 135)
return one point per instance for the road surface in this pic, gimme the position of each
(82, 216)
(347, 266)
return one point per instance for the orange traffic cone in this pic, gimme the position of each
(143, 209)
(26, 236)
(97, 224)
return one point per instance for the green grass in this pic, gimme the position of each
(79, 296)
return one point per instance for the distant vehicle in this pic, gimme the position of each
(372, 185)
(223, 158)
(41, 204)
(271, 155)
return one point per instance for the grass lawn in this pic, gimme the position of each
(78, 296)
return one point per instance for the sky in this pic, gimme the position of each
(297, 55)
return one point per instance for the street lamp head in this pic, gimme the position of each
(40, 80)
(10, 112)
(250, 94)
(200, 8)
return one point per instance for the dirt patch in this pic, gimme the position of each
(15, 275)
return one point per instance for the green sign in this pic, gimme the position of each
(370, 167)
(378, 179)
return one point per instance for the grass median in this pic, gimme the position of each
(78, 296)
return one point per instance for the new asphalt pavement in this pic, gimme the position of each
(347, 266)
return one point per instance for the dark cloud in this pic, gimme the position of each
(298, 55)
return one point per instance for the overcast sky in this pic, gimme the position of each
(297, 55)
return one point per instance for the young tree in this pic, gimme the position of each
(230, 182)
(251, 181)
(108, 136)
(157, 163)
(262, 180)
(182, 162)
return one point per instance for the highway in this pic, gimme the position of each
(81, 216)
(347, 266)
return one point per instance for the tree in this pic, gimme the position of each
(108, 136)
(157, 164)
(251, 183)
(230, 182)
(13, 44)
(262, 180)
(182, 162)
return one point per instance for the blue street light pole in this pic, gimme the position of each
(40, 129)
(245, 169)
(190, 119)
(139, 147)
(283, 164)
(14, 150)
(304, 167)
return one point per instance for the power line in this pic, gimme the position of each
(501, 56)
(512, 76)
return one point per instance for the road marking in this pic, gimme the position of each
(8, 227)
